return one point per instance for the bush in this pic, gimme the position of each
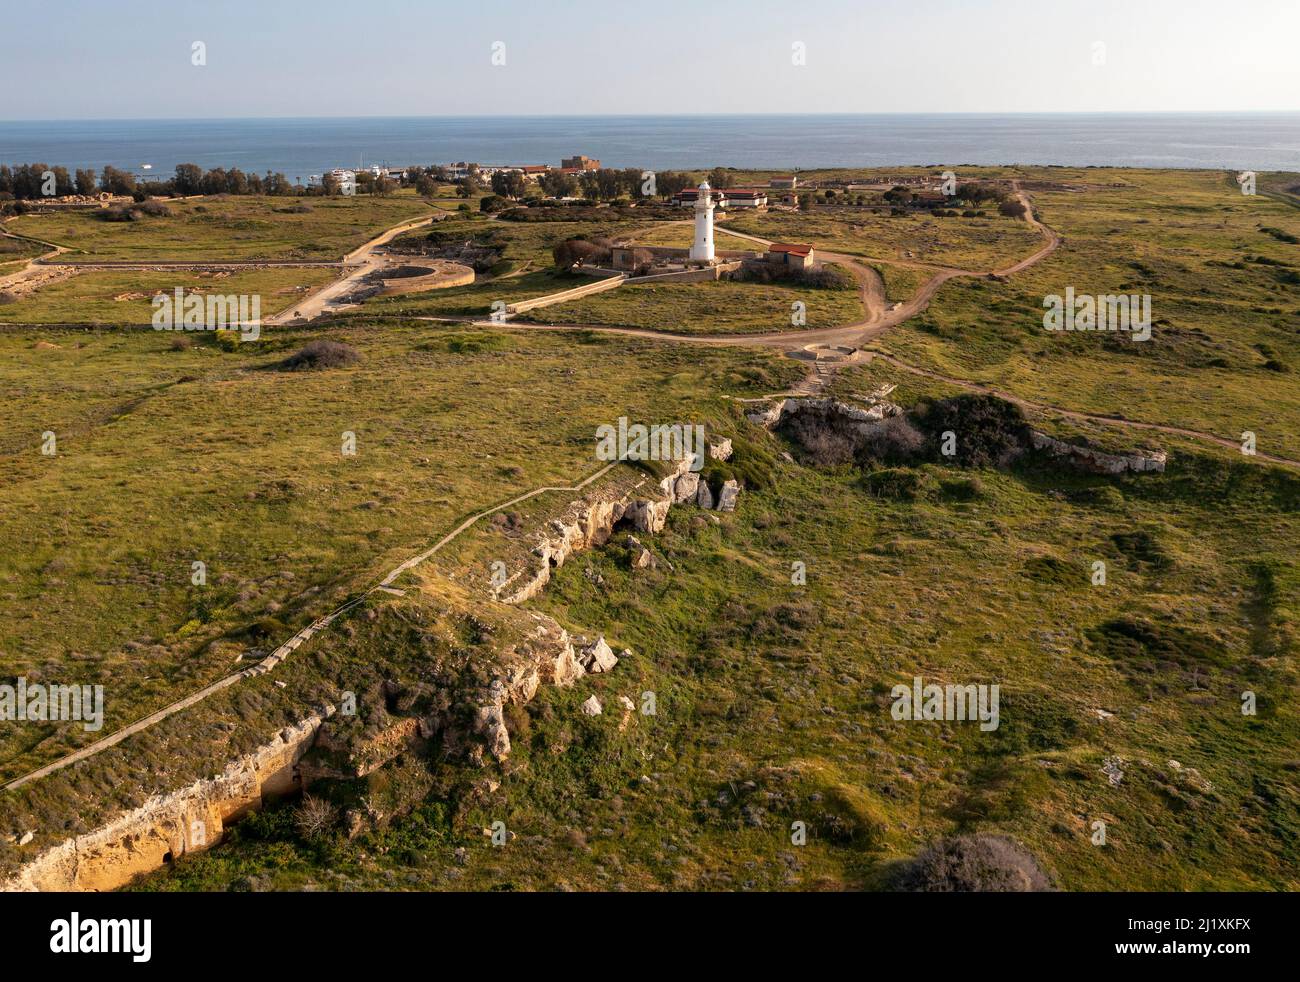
(990, 432)
(228, 340)
(7, 297)
(974, 864)
(899, 484)
(319, 355)
(314, 817)
(895, 440)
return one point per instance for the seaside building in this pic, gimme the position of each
(725, 200)
(783, 182)
(580, 162)
(793, 254)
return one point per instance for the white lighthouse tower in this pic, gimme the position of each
(702, 248)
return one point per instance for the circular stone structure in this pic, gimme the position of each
(418, 275)
(825, 352)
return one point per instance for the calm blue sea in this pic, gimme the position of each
(300, 147)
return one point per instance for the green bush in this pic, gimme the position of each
(900, 484)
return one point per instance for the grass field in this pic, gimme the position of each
(719, 307)
(228, 227)
(169, 457)
(123, 296)
(1224, 356)
(965, 243)
(773, 697)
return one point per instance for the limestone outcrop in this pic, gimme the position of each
(1096, 461)
(166, 826)
(590, 521)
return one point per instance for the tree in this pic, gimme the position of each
(189, 179)
(669, 182)
(236, 181)
(805, 202)
(276, 183)
(720, 177)
(509, 184)
(466, 187)
(558, 185)
(426, 186)
(590, 185)
(86, 181)
(383, 186)
(576, 252)
(329, 185)
(115, 181)
(609, 183)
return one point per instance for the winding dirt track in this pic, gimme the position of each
(878, 320)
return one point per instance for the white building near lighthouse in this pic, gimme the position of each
(702, 247)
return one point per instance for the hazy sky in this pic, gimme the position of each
(127, 58)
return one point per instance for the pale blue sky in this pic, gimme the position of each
(130, 59)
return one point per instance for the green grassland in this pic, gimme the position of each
(772, 698)
(1224, 356)
(111, 297)
(167, 457)
(227, 228)
(715, 307)
(901, 282)
(966, 243)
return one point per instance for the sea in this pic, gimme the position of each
(302, 147)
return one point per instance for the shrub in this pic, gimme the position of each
(228, 340)
(899, 484)
(7, 297)
(895, 440)
(974, 864)
(319, 355)
(180, 343)
(990, 432)
(314, 817)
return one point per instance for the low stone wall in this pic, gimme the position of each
(1099, 462)
(702, 275)
(608, 283)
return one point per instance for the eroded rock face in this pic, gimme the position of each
(1095, 461)
(704, 497)
(167, 826)
(857, 417)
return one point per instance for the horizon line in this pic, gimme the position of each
(669, 115)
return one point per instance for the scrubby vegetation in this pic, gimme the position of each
(322, 354)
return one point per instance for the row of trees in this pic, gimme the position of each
(30, 182)
(27, 182)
